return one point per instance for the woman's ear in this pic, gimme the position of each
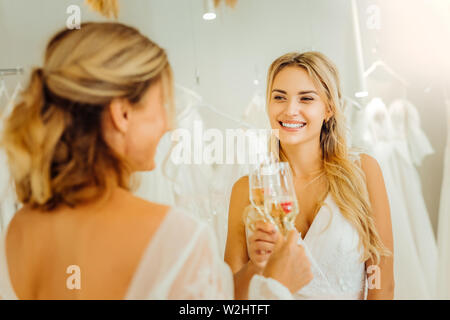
(328, 114)
(119, 110)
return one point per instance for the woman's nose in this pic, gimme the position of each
(293, 108)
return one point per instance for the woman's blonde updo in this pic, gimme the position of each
(53, 138)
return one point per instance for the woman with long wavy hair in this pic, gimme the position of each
(344, 214)
(91, 116)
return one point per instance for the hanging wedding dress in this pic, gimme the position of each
(7, 193)
(443, 285)
(398, 143)
(355, 120)
(256, 114)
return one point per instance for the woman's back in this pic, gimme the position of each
(106, 241)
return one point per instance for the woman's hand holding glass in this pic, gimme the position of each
(262, 242)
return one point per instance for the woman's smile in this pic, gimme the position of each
(292, 125)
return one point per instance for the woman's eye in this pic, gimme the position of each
(307, 99)
(278, 98)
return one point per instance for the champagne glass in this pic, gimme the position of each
(256, 195)
(256, 192)
(280, 199)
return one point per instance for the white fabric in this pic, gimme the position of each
(443, 289)
(180, 262)
(7, 192)
(407, 130)
(356, 122)
(262, 288)
(331, 245)
(256, 113)
(398, 143)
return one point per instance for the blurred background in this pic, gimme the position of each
(395, 75)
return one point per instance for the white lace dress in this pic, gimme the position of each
(331, 244)
(180, 262)
(398, 143)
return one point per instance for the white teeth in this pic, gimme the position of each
(293, 125)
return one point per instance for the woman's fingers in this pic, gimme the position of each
(263, 246)
(263, 236)
(266, 227)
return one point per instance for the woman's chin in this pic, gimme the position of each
(290, 139)
(150, 166)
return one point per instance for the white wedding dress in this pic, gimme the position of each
(331, 245)
(356, 126)
(443, 286)
(398, 143)
(180, 262)
(255, 113)
(7, 192)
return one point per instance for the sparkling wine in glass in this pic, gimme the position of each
(280, 199)
(257, 192)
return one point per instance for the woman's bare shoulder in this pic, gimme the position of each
(144, 207)
(369, 164)
(138, 215)
(238, 201)
(241, 185)
(239, 196)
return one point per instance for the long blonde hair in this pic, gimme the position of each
(53, 139)
(345, 179)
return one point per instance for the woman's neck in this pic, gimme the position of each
(305, 159)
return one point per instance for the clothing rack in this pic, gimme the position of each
(358, 46)
(11, 71)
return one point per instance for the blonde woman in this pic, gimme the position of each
(90, 117)
(344, 217)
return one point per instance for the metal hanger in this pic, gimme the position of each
(12, 99)
(4, 89)
(353, 102)
(202, 104)
(385, 66)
